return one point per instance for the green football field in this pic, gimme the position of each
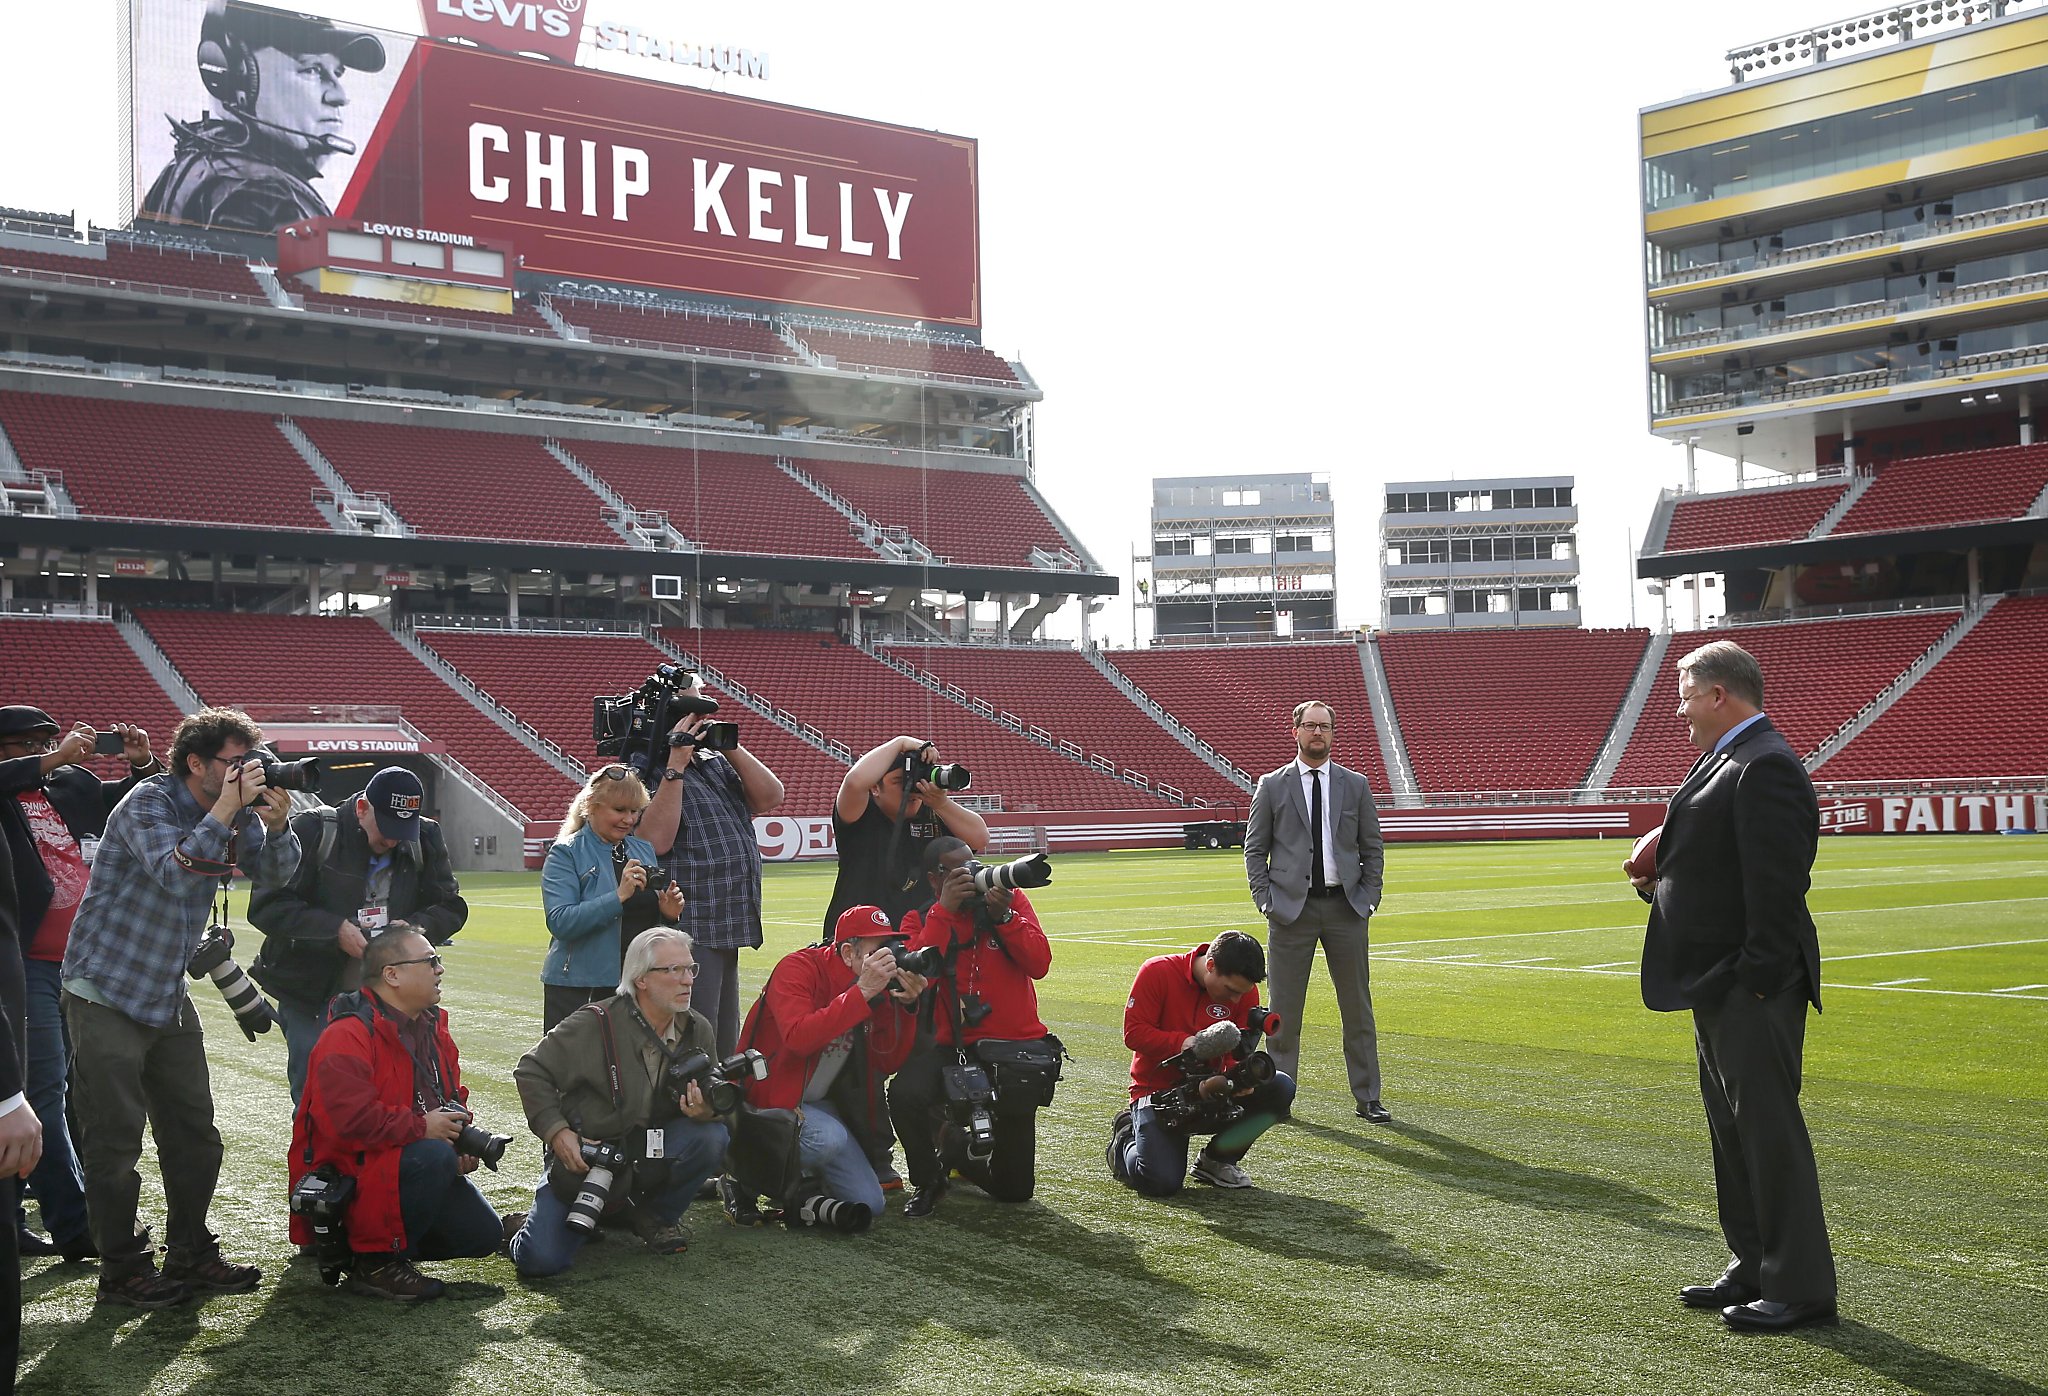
(1521, 1227)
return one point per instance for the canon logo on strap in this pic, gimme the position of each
(549, 28)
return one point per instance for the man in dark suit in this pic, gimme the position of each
(1313, 856)
(1730, 938)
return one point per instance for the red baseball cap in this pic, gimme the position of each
(861, 923)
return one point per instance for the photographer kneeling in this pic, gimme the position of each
(834, 1021)
(624, 1137)
(993, 950)
(1191, 1072)
(384, 1107)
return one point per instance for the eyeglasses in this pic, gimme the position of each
(434, 960)
(1316, 726)
(34, 746)
(686, 971)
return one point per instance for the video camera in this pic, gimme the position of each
(1183, 1108)
(214, 959)
(634, 727)
(723, 1083)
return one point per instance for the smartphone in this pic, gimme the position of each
(107, 744)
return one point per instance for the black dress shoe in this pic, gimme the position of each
(34, 1243)
(926, 1200)
(1775, 1316)
(1375, 1112)
(80, 1249)
(1721, 1294)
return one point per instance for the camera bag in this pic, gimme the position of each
(1025, 1071)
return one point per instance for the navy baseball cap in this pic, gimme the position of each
(395, 795)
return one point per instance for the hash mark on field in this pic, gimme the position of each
(1934, 949)
(1611, 964)
(2019, 988)
(1532, 960)
(1894, 983)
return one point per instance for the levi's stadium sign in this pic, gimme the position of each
(589, 175)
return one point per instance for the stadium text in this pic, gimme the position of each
(1962, 814)
(512, 14)
(625, 173)
(719, 58)
(396, 230)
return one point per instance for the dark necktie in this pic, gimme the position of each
(1315, 831)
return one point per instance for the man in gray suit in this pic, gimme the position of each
(1313, 855)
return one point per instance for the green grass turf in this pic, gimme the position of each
(1521, 1227)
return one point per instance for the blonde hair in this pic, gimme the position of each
(604, 779)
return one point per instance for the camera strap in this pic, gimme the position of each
(611, 1054)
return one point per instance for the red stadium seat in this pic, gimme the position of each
(1749, 516)
(1961, 487)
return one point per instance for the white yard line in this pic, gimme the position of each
(1894, 983)
(2019, 989)
(1932, 950)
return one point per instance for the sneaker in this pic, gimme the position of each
(663, 1238)
(1220, 1173)
(890, 1179)
(393, 1279)
(927, 1199)
(212, 1275)
(141, 1289)
(739, 1207)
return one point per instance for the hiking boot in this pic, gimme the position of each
(212, 1275)
(663, 1238)
(393, 1278)
(1119, 1141)
(140, 1287)
(1220, 1173)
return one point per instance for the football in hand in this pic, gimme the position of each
(1642, 859)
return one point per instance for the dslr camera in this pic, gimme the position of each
(302, 775)
(215, 960)
(593, 1190)
(634, 727)
(480, 1144)
(322, 1198)
(1033, 870)
(951, 777)
(724, 1083)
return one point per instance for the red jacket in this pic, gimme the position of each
(812, 998)
(1004, 981)
(358, 1111)
(1166, 1008)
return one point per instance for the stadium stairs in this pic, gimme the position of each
(1642, 691)
(351, 661)
(1054, 695)
(1401, 785)
(1509, 710)
(463, 681)
(348, 512)
(1971, 708)
(1215, 760)
(846, 693)
(723, 501)
(1819, 674)
(1240, 698)
(897, 544)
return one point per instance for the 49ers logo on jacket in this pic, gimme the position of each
(1219, 1011)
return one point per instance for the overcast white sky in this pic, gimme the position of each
(1412, 234)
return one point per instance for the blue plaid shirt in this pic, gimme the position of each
(715, 858)
(145, 912)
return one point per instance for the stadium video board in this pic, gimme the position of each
(249, 118)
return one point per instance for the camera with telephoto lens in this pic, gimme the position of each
(480, 1144)
(818, 1210)
(723, 1084)
(951, 777)
(970, 1104)
(214, 959)
(322, 1198)
(634, 727)
(1033, 870)
(1183, 1108)
(594, 1189)
(303, 774)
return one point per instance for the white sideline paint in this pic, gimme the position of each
(1894, 983)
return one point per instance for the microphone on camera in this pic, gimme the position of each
(1216, 1040)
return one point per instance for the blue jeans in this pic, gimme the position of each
(547, 1244)
(303, 1023)
(828, 1150)
(445, 1216)
(1155, 1162)
(58, 1182)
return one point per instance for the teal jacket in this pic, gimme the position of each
(579, 890)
